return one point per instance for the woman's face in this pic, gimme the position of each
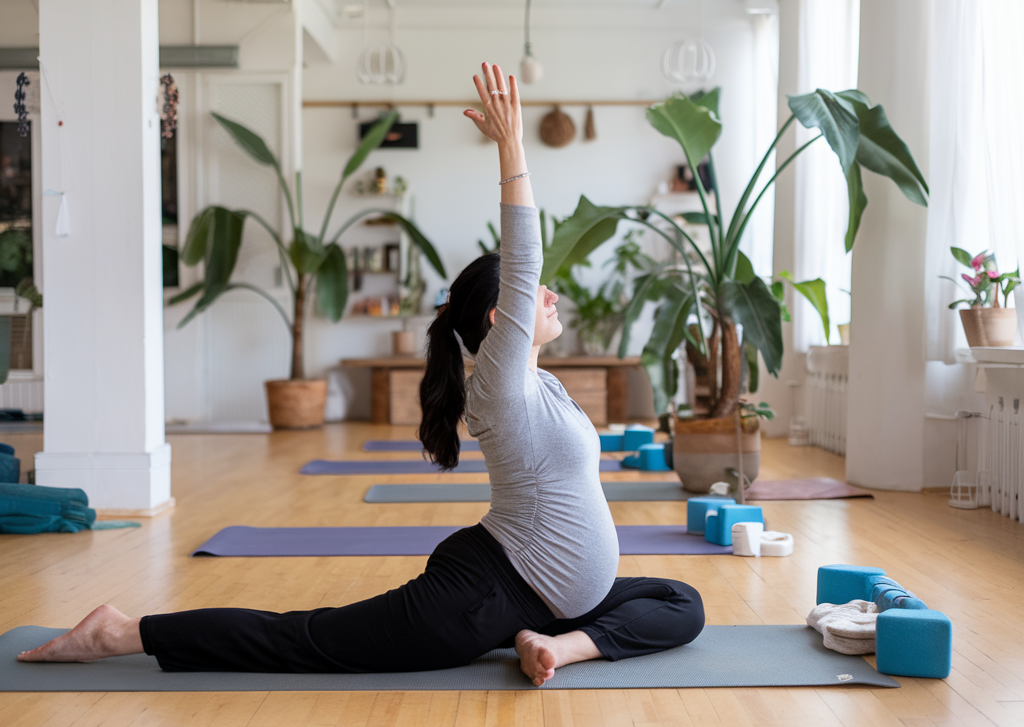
(547, 326)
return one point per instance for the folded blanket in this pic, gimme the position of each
(848, 628)
(33, 509)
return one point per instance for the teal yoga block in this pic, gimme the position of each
(718, 525)
(634, 439)
(697, 509)
(652, 458)
(845, 583)
(612, 442)
(914, 643)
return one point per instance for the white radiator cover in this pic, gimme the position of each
(825, 401)
(22, 392)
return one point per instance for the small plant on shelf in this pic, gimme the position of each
(986, 282)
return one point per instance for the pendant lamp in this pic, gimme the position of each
(531, 70)
(380, 64)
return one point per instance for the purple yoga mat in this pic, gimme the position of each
(408, 467)
(243, 541)
(411, 445)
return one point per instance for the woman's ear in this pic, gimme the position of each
(493, 311)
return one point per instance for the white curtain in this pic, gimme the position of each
(758, 242)
(829, 40)
(976, 163)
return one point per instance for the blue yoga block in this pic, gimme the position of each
(633, 439)
(697, 509)
(845, 583)
(914, 643)
(611, 442)
(652, 458)
(718, 526)
(631, 461)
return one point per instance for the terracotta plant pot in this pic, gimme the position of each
(989, 326)
(296, 404)
(703, 450)
(403, 343)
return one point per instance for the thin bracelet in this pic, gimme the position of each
(512, 179)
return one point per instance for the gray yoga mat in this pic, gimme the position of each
(411, 445)
(722, 656)
(613, 492)
(409, 467)
(247, 542)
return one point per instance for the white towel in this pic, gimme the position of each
(848, 628)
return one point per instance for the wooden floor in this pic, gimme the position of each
(969, 564)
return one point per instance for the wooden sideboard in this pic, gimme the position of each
(596, 383)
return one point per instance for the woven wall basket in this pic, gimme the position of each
(557, 129)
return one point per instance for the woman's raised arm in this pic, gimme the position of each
(502, 122)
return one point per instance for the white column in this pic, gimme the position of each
(886, 395)
(103, 340)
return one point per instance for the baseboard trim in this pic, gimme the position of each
(150, 512)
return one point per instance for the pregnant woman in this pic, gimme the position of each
(537, 572)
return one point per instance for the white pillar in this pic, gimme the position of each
(103, 339)
(886, 395)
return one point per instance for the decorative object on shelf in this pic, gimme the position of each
(380, 180)
(688, 61)
(718, 287)
(985, 322)
(392, 257)
(169, 107)
(310, 261)
(401, 136)
(557, 129)
(403, 343)
(530, 68)
(380, 64)
(19, 104)
(589, 131)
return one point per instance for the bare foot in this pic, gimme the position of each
(104, 632)
(536, 656)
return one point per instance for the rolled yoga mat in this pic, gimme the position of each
(409, 467)
(243, 541)
(813, 488)
(613, 491)
(411, 445)
(722, 656)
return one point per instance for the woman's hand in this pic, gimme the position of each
(501, 120)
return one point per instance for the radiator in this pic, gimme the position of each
(825, 396)
(26, 394)
(1001, 458)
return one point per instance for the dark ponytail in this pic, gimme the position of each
(473, 296)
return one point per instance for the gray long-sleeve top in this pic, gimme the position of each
(548, 510)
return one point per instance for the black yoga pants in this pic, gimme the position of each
(468, 601)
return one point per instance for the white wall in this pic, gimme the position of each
(604, 54)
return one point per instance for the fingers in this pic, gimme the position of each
(475, 115)
(481, 88)
(492, 85)
(513, 91)
(499, 79)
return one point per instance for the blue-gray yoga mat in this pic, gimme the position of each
(409, 467)
(722, 656)
(613, 492)
(411, 445)
(243, 541)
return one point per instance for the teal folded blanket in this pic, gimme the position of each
(28, 509)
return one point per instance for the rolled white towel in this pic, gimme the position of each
(848, 628)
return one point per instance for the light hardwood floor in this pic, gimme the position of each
(969, 564)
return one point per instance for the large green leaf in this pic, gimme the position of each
(194, 249)
(835, 117)
(658, 355)
(744, 269)
(421, 241)
(332, 283)
(857, 202)
(186, 294)
(305, 253)
(883, 152)
(753, 306)
(223, 241)
(695, 127)
(579, 235)
(249, 140)
(708, 100)
(371, 141)
(750, 355)
(645, 287)
(814, 292)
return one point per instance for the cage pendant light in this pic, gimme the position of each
(689, 61)
(383, 63)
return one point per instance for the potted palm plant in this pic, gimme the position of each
(309, 261)
(717, 286)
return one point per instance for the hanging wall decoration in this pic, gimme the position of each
(531, 70)
(380, 64)
(557, 129)
(169, 109)
(589, 132)
(19, 104)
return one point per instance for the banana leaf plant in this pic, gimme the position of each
(718, 285)
(308, 259)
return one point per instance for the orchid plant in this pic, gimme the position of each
(986, 282)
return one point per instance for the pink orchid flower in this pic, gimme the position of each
(978, 261)
(993, 274)
(972, 281)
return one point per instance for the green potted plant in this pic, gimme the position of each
(308, 261)
(985, 322)
(718, 286)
